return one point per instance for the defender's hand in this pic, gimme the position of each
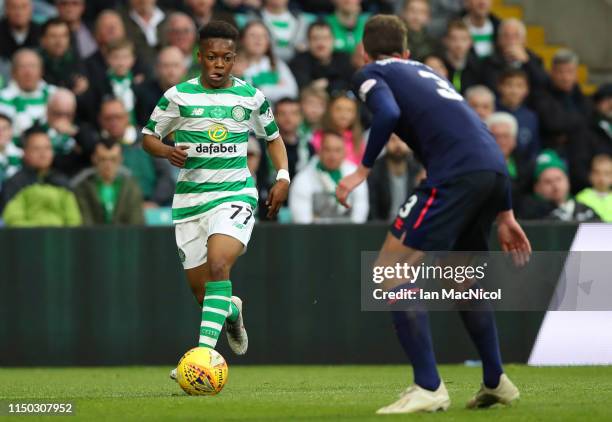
(512, 238)
(177, 155)
(349, 183)
(277, 197)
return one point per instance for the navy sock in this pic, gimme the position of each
(412, 329)
(480, 324)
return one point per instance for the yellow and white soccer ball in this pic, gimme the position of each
(202, 372)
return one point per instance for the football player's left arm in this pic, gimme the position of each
(386, 112)
(280, 189)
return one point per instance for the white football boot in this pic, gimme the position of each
(417, 399)
(173, 375)
(236, 333)
(505, 393)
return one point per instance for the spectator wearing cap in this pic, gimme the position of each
(37, 195)
(595, 139)
(10, 154)
(464, 68)
(512, 53)
(204, 11)
(599, 196)
(347, 23)
(180, 31)
(143, 22)
(107, 194)
(483, 26)
(393, 176)
(320, 66)
(287, 27)
(561, 107)
(416, 15)
(266, 71)
(170, 70)
(482, 101)
(551, 199)
(17, 29)
(513, 88)
(25, 98)
(62, 66)
(71, 12)
(312, 197)
(505, 128)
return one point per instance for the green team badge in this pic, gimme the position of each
(181, 255)
(238, 113)
(217, 113)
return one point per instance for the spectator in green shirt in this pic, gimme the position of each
(106, 194)
(347, 24)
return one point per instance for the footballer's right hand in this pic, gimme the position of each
(349, 183)
(177, 155)
(512, 238)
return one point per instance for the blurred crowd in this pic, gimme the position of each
(79, 79)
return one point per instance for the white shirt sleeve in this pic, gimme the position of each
(263, 121)
(165, 117)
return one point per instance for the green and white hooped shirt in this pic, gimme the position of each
(10, 161)
(288, 31)
(122, 89)
(25, 108)
(215, 124)
(483, 38)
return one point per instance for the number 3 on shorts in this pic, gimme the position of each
(405, 210)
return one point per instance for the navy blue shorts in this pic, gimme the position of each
(455, 215)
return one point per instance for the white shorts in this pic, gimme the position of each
(233, 219)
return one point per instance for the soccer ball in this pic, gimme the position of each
(202, 372)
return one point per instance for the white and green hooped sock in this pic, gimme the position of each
(215, 309)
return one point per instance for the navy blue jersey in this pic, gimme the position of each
(407, 98)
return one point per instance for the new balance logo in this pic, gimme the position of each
(197, 111)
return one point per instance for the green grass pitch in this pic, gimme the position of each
(301, 393)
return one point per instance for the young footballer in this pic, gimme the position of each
(466, 189)
(210, 118)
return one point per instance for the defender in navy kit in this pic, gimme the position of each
(466, 190)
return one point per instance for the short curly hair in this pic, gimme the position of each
(219, 29)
